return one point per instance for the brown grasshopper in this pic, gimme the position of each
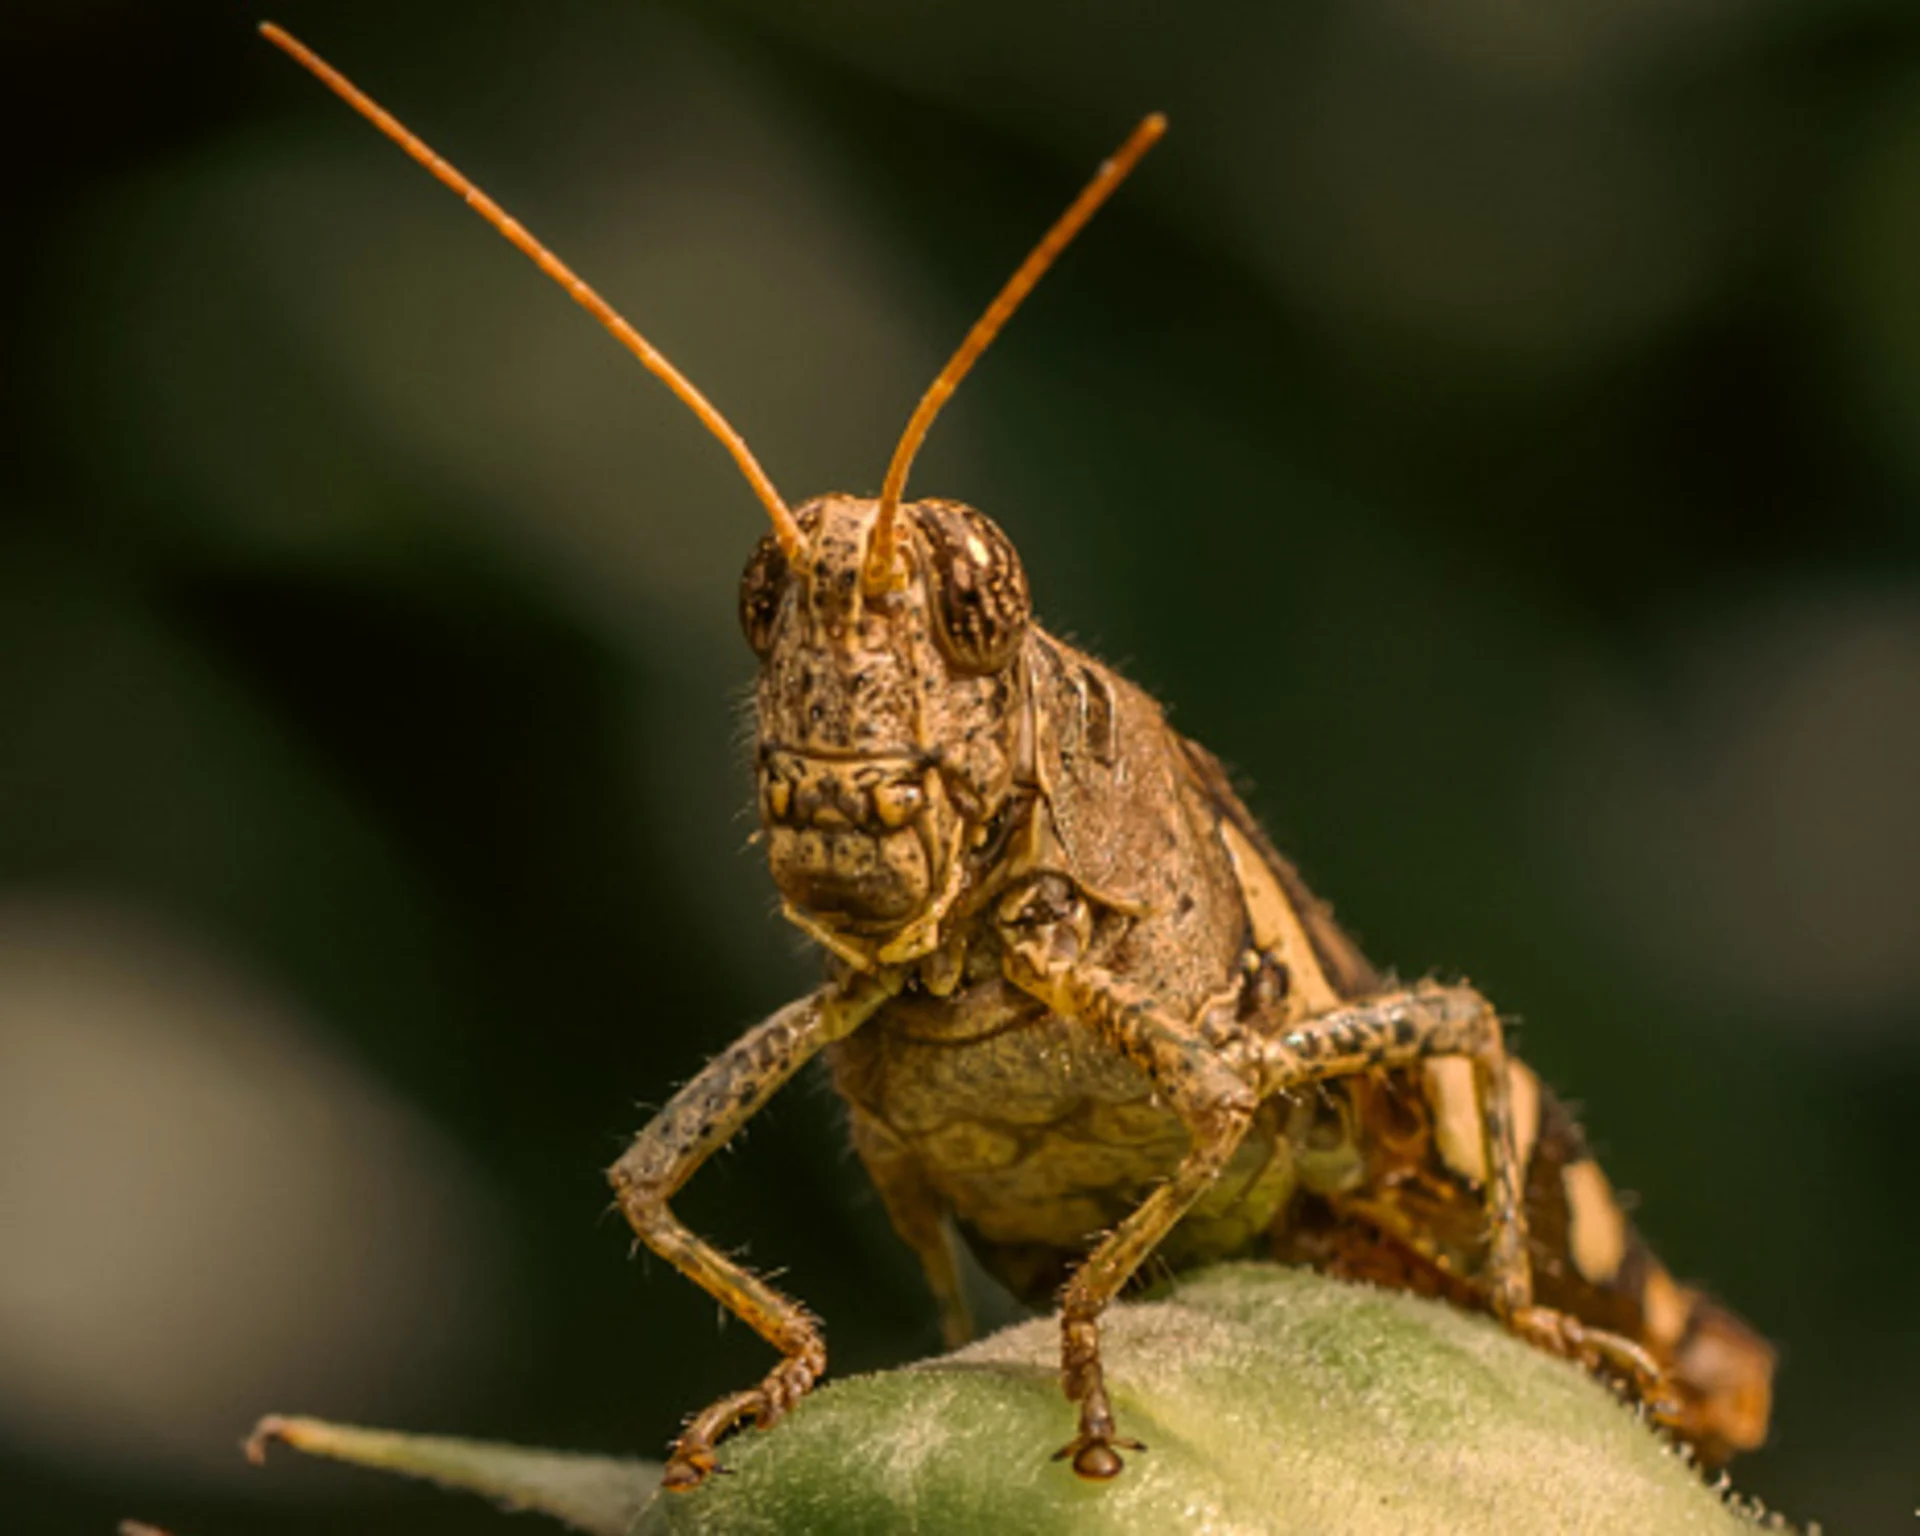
(1080, 1009)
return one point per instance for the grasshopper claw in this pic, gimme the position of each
(1094, 1456)
(687, 1469)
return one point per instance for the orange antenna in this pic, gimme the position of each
(785, 529)
(880, 574)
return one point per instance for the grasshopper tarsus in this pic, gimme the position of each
(686, 1471)
(1097, 1461)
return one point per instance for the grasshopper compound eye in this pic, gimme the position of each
(763, 585)
(979, 590)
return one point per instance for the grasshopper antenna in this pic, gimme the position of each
(785, 529)
(880, 573)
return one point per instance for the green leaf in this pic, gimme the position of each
(1273, 1400)
(597, 1494)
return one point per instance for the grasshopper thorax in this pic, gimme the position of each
(885, 720)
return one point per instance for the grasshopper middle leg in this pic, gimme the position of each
(699, 1120)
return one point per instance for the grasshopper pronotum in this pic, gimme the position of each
(1075, 999)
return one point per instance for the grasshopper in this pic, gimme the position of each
(1080, 1009)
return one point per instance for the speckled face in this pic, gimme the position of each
(884, 721)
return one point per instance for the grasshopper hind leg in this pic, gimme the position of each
(1400, 1030)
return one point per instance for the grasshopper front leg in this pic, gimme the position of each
(697, 1122)
(1044, 930)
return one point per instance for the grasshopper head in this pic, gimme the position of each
(892, 691)
(885, 719)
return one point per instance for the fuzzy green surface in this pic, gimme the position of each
(1274, 1401)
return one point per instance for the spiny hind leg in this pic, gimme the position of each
(1611, 1356)
(1376, 1241)
(1191, 1077)
(1401, 1029)
(696, 1122)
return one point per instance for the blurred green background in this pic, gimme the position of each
(1495, 429)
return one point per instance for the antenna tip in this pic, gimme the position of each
(282, 39)
(1154, 124)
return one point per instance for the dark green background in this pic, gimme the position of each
(1496, 434)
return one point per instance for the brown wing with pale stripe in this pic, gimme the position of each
(1347, 971)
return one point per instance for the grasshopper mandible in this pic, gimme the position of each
(1080, 1009)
